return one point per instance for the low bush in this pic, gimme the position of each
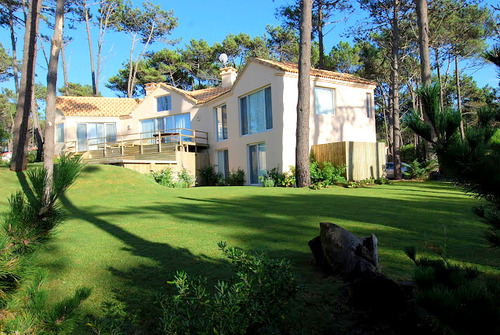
(258, 300)
(420, 170)
(209, 176)
(164, 177)
(285, 179)
(455, 298)
(236, 178)
(327, 174)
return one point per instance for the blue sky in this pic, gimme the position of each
(197, 19)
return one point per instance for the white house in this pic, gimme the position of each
(247, 122)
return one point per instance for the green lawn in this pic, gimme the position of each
(125, 236)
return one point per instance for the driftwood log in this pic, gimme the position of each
(339, 251)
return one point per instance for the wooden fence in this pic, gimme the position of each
(362, 160)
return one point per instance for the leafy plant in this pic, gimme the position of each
(164, 177)
(327, 174)
(266, 181)
(184, 179)
(236, 178)
(259, 299)
(209, 176)
(420, 170)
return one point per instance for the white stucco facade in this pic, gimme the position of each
(353, 119)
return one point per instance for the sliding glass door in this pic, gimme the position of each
(89, 135)
(257, 162)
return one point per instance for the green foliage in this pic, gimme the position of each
(274, 178)
(472, 161)
(28, 224)
(260, 299)
(209, 176)
(78, 90)
(420, 170)
(455, 298)
(236, 178)
(327, 175)
(164, 177)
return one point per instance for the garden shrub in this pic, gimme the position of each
(209, 176)
(285, 179)
(259, 299)
(327, 175)
(184, 180)
(455, 298)
(419, 170)
(164, 177)
(236, 178)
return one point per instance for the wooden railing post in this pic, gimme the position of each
(121, 148)
(159, 141)
(104, 148)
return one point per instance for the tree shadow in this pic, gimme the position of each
(141, 285)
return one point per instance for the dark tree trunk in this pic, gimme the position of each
(423, 41)
(321, 64)
(395, 92)
(304, 97)
(459, 98)
(14, 49)
(50, 112)
(89, 37)
(23, 109)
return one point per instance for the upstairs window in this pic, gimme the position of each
(324, 100)
(60, 133)
(368, 105)
(221, 122)
(256, 112)
(163, 103)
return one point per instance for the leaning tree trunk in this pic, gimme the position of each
(23, 109)
(48, 162)
(65, 71)
(14, 49)
(302, 173)
(89, 37)
(395, 92)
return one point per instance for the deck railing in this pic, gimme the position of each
(145, 142)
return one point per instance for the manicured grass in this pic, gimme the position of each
(125, 235)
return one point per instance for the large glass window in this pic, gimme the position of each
(257, 161)
(324, 99)
(169, 125)
(163, 103)
(368, 104)
(223, 163)
(89, 135)
(60, 133)
(256, 112)
(221, 122)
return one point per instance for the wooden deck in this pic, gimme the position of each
(142, 147)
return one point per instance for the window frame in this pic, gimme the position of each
(223, 109)
(369, 105)
(245, 111)
(334, 100)
(169, 103)
(60, 136)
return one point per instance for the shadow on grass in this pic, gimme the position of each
(280, 224)
(143, 284)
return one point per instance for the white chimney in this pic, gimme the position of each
(228, 75)
(149, 87)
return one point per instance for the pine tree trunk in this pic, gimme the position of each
(395, 92)
(15, 68)
(23, 108)
(459, 98)
(89, 38)
(304, 97)
(423, 41)
(65, 71)
(50, 112)
(321, 64)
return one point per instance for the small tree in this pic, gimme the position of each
(472, 162)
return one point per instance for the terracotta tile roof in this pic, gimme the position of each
(95, 106)
(292, 67)
(200, 96)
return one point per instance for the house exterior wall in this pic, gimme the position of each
(255, 78)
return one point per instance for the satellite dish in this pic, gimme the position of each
(223, 59)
